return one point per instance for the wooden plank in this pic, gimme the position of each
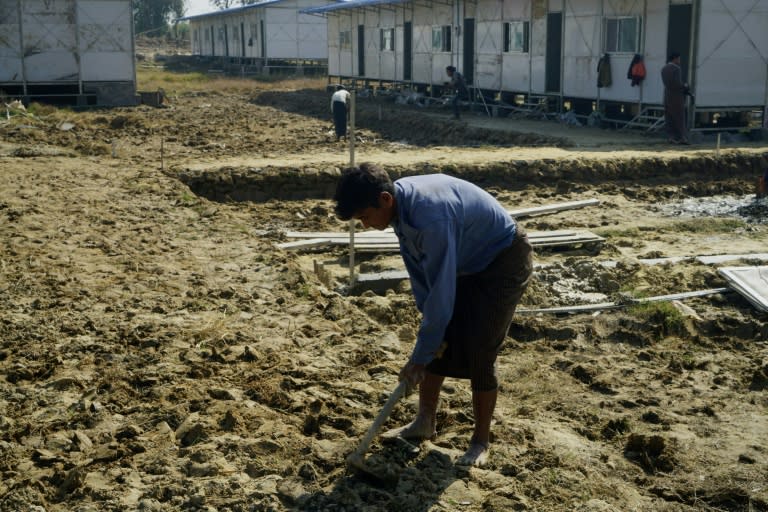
(305, 244)
(552, 208)
(604, 306)
(722, 258)
(392, 245)
(584, 308)
(705, 260)
(388, 234)
(684, 295)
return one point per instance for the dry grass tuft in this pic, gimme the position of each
(177, 83)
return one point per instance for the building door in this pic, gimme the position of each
(554, 53)
(469, 50)
(242, 39)
(263, 39)
(679, 34)
(408, 50)
(361, 50)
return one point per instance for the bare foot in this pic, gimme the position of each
(419, 429)
(476, 455)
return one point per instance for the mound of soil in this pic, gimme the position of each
(158, 352)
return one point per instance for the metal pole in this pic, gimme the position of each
(78, 55)
(643, 35)
(693, 64)
(352, 128)
(530, 52)
(602, 48)
(765, 104)
(22, 52)
(351, 135)
(562, 54)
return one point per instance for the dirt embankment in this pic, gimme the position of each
(157, 352)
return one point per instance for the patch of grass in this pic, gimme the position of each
(618, 233)
(175, 83)
(664, 313)
(38, 109)
(187, 199)
(706, 225)
(154, 79)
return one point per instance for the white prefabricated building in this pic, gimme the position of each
(68, 51)
(552, 48)
(270, 30)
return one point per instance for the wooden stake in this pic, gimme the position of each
(717, 151)
(352, 164)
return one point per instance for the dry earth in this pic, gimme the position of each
(157, 352)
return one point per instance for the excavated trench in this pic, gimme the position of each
(695, 176)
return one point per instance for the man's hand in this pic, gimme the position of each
(413, 373)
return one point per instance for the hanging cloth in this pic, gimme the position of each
(636, 71)
(604, 71)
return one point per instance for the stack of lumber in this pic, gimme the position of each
(386, 241)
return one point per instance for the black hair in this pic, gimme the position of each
(340, 87)
(673, 56)
(360, 188)
(450, 68)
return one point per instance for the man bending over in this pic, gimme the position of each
(468, 262)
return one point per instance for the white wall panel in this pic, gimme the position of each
(733, 54)
(10, 43)
(104, 37)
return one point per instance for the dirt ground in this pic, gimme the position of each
(158, 352)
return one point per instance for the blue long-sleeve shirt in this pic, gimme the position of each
(447, 227)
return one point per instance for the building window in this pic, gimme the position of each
(235, 34)
(441, 38)
(207, 36)
(387, 39)
(622, 35)
(345, 40)
(221, 33)
(516, 36)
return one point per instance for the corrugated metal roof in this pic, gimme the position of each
(349, 4)
(233, 10)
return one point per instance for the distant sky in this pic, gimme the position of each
(198, 7)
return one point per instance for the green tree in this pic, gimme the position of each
(154, 15)
(226, 4)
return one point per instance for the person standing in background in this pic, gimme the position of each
(675, 91)
(339, 102)
(458, 87)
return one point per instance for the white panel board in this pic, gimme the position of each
(657, 19)
(312, 38)
(750, 282)
(104, 38)
(489, 46)
(581, 48)
(516, 72)
(538, 53)
(732, 58)
(621, 87)
(282, 33)
(10, 44)
(49, 40)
